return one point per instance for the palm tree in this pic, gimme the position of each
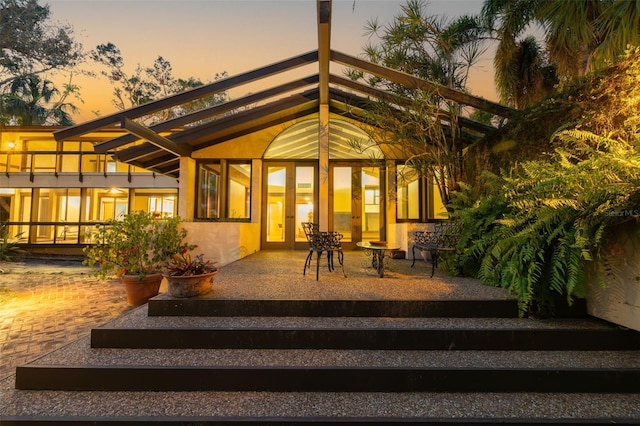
(580, 36)
(528, 77)
(428, 46)
(619, 26)
(571, 34)
(33, 101)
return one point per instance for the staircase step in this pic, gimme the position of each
(326, 379)
(165, 305)
(80, 353)
(279, 408)
(282, 421)
(366, 338)
(330, 386)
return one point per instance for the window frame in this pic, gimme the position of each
(224, 190)
(422, 198)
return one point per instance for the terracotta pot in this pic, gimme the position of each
(190, 286)
(140, 291)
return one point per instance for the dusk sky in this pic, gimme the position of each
(205, 37)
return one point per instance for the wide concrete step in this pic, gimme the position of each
(327, 408)
(165, 305)
(328, 386)
(80, 353)
(282, 421)
(371, 333)
(366, 338)
(326, 379)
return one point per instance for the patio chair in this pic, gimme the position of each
(309, 229)
(320, 242)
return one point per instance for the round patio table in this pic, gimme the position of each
(377, 254)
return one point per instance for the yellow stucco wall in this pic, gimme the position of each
(223, 242)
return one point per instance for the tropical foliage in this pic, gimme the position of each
(184, 265)
(420, 124)
(579, 37)
(32, 101)
(32, 49)
(9, 247)
(540, 227)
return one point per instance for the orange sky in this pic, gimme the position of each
(204, 37)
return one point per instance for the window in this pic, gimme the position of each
(224, 190)
(372, 197)
(163, 202)
(209, 191)
(408, 188)
(239, 191)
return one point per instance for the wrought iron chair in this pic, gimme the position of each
(443, 238)
(309, 229)
(320, 242)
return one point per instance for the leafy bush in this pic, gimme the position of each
(543, 226)
(569, 173)
(9, 245)
(139, 243)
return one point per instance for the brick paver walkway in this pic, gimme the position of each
(45, 306)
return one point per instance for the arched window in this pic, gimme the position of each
(300, 142)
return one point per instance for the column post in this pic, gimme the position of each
(187, 189)
(323, 165)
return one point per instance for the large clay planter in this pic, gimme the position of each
(191, 285)
(140, 291)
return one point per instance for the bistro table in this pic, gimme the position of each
(377, 254)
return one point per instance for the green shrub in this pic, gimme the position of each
(540, 229)
(9, 245)
(565, 172)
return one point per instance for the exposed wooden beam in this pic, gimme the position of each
(157, 140)
(362, 88)
(386, 96)
(166, 160)
(238, 124)
(196, 134)
(172, 170)
(111, 144)
(136, 153)
(186, 96)
(418, 83)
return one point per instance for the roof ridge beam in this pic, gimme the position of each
(324, 47)
(413, 82)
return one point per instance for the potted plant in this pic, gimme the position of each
(136, 248)
(189, 276)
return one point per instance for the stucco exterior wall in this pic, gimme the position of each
(223, 242)
(619, 300)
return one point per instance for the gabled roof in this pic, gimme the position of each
(160, 146)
